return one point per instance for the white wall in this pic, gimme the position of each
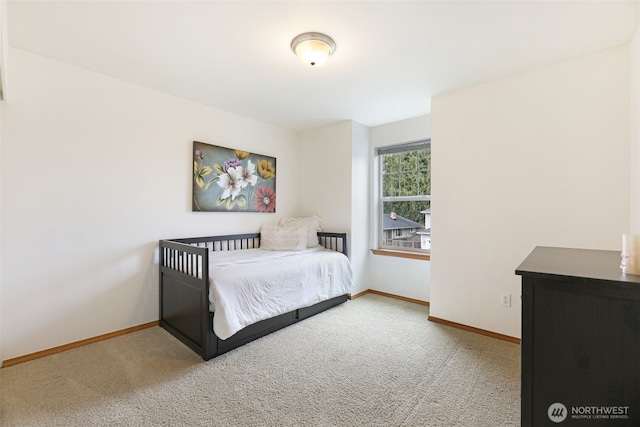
(634, 226)
(1, 351)
(399, 276)
(4, 44)
(94, 172)
(330, 159)
(360, 224)
(3, 85)
(540, 158)
(325, 174)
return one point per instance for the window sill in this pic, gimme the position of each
(402, 254)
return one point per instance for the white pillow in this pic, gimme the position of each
(274, 238)
(313, 224)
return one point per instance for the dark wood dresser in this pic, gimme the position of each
(580, 339)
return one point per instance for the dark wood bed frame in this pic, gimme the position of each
(184, 292)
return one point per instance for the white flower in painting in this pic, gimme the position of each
(231, 181)
(249, 175)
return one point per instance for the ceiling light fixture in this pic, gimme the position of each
(313, 48)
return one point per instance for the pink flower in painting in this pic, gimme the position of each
(264, 199)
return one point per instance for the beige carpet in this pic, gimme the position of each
(373, 361)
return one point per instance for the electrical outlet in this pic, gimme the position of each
(505, 300)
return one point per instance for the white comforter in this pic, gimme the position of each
(250, 285)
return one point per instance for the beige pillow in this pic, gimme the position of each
(274, 238)
(312, 223)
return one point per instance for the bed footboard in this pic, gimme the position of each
(184, 292)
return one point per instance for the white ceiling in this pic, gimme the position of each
(392, 57)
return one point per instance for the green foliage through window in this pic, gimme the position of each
(407, 174)
(405, 180)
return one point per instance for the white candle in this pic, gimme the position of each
(630, 254)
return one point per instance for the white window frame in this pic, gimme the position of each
(398, 148)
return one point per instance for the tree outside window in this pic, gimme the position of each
(405, 184)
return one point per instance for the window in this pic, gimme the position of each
(405, 196)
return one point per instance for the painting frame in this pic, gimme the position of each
(232, 180)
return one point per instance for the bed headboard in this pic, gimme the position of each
(334, 241)
(233, 242)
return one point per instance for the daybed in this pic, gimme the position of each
(189, 269)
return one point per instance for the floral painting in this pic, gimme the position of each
(232, 180)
